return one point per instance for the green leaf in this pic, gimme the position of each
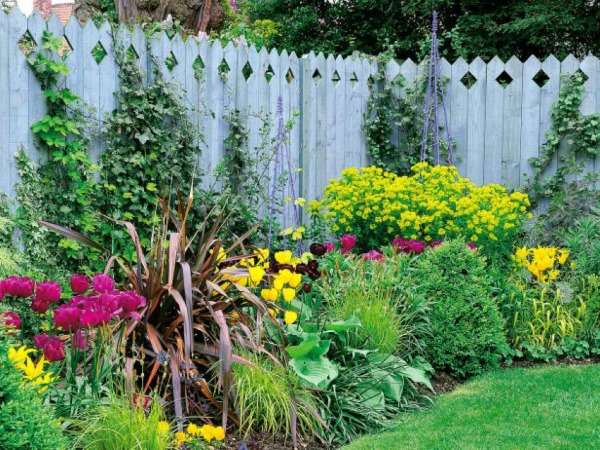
(312, 346)
(318, 373)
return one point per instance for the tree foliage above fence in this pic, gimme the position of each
(468, 28)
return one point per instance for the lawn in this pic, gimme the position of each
(544, 408)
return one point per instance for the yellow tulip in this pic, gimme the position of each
(193, 429)
(290, 317)
(218, 433)
(181, 438)
(285, 275)
(207, 432)
(269, 294)
(289, 294)
(295, 280)
(256, 275)
(278, 283)
(283, 257)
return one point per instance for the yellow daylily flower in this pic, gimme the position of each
(32, 370)
(18, 356)
(300, 201)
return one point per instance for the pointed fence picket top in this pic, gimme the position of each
(499, 111)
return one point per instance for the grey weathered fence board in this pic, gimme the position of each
(496, 129)
(6, 156)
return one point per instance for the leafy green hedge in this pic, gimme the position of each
(466, 327)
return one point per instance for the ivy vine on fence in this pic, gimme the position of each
(558, 171)
(62, 189)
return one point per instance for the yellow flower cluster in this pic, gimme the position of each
(207, 432)
(542, 262)
(433, 203)
(32, 372)
(252, 272)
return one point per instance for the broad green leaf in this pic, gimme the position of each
(318, 373)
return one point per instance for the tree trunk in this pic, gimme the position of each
(203, 18)
(126, 10)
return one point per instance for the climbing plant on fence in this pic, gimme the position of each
(61, 190)
(394, 119)
(151, 152)
(573, 140)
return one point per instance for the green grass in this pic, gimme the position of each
(541, 408)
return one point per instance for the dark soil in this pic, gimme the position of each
(566, 360)
(263, 441)
(443, 382)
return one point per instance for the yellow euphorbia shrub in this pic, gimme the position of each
(434, 203)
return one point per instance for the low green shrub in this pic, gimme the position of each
(266, 395)
(466, 327)
(25, 422)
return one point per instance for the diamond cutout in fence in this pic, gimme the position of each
(289, 76)
(353, 78)
(27, 44)
(98, 52)
(582, 74)
(247, 70)
(335, 77)
(223, 69)
(504, 79)
(468, 80)
(131, 53)
(171, 62)
(66, 49)
(269, 73)
(316, 75)
(198, 67)
(540, 78)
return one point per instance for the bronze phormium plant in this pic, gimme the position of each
(197, 307)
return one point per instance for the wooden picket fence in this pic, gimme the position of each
(499, 111)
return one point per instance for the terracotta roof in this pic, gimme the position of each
(63, 11)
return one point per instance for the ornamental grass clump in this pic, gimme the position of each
(434, 203)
